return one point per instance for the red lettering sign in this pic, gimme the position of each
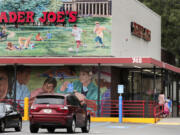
(21, 16)
(72, 16)
(3, 17)
(140, 31)
(52, 17)
(12, 17)
(43, 20)
(28, 17)
(60, 17)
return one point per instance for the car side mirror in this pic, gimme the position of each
(9, 111)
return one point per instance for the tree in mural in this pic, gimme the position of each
(37, 6)
(55, 5)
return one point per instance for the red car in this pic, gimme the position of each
(58, 111)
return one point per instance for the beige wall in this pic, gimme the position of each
(126, 45)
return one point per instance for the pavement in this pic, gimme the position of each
(167, 126)
(169, 121)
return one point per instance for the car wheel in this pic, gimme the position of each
(51, 130)
(86, 129)
(72, 128)
(33, 129)
(2, 126)
(19, 126)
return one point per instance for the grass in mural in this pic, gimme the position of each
(61, 40)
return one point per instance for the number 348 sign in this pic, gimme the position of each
(137, 60)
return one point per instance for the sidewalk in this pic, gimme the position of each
(169, 121)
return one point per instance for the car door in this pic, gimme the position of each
(3, 111)
(8, 119)
(11, 116)
(70, 103)
(80, 112)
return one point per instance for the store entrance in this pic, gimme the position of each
(146, 85)
(119, 76)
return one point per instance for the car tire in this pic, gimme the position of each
(18, 129)
(33, 129)
(2, 126)
(72, 127)
(51, 130)
(86, 129)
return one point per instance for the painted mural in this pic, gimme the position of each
(90, 35)
(32, 81)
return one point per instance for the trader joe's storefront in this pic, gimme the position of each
(97, 82)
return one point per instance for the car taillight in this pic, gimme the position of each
(63, 109)
(34, 109)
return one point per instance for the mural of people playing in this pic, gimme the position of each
(8, 83)
(80, 38)
(47, 87)
(3, 83)
(23, 77)
(76, 32)
(25, 42)
(99, 35)
(85, 88)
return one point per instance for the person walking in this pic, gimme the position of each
(161, 100)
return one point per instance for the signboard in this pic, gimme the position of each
(137, 60)
(120, 89)
(48, 28)
(140, 31)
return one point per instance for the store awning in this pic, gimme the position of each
(135, 62)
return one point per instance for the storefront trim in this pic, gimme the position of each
(109, 61)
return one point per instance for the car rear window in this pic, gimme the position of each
(49, 100)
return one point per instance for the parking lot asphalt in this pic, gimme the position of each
(107, 128)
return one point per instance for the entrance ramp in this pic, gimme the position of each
(169, 121)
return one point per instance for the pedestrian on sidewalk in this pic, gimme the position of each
(161, 99)
(169, 102)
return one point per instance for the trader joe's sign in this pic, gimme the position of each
(140, 31)
(28, 17)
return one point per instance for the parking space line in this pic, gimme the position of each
(100, 124)
(122, 127)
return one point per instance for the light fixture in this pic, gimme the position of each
(137, 67)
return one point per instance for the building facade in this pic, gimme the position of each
(113, 42)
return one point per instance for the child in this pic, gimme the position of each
(39, 38)
(48, 35)
(166, 109)
(76, 32)
(169, 104)
(11, 47)
(24, 42)
(98, 30)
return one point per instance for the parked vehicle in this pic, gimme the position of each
(58, 111)
(9, 118)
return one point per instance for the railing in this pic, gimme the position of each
(158, 111)
(131, 108)
(109, 108)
